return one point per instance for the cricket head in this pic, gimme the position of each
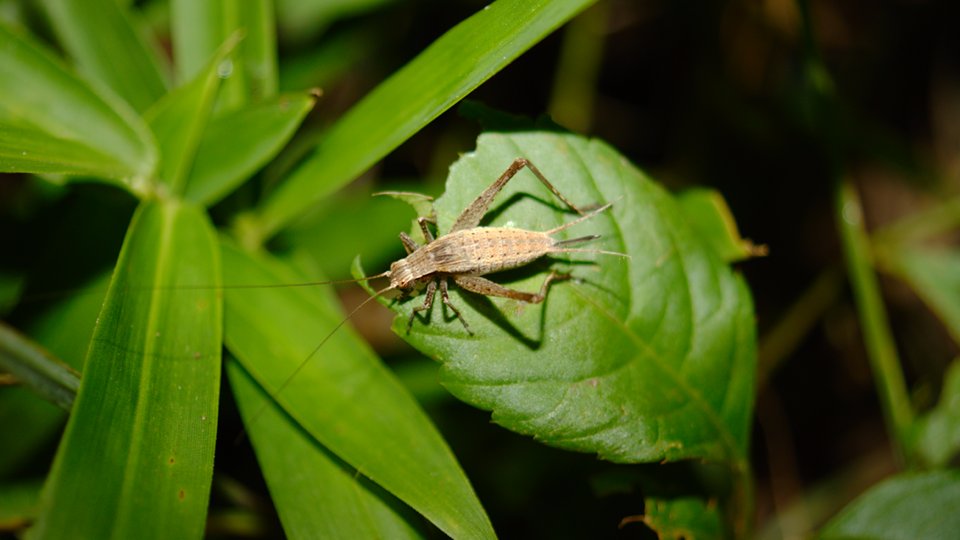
(401, 275)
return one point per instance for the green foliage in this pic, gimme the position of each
(918, 505)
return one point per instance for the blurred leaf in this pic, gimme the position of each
(708, 215)
(180, 118)
(444, 73)
(36, 369)
(422, 204)
(342, 396)
(26, 421)
(937, 434)
(294, 464)
(323, 63)
(18, 504)
(24, 149)
(302, 19)
(199, 28)
(935, 276)
(237, 144)
(686, 518)
(907, 506)
(48, 111)
(640, 360)
(11, 285)
(351, 224)
(100, 36)
(137, 456)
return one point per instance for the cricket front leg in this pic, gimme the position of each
(445, 296)
(486, 287)
(427, 302)
(472, 215)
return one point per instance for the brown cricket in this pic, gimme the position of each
(467, 252)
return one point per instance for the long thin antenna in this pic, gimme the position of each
(305, 361)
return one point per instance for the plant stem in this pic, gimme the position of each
(881, 348)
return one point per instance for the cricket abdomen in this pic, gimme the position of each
(483, 250)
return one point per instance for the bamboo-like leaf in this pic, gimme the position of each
(294, 465)
(935, 276)
(199, 28)
(444, 73)
(107, 46)
(137, 456)
(343, 396)
(236, 144)
(180, 118)
(49, 117)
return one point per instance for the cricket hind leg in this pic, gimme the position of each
(484, 286)
(475, 211)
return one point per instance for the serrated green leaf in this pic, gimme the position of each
(236, 144)
(103, 40)
(708, 214)
(904, 507)
(935, 276)
(136, 459)
(440, 76)
(179, 120)
(45, 110)
(343, 396)
(646, 359)
(294, 465)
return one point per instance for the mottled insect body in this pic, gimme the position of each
(469, 251)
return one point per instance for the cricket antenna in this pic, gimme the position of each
(305, 361)
(280, 285)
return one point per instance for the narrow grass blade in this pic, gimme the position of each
(107, 46)
(49, 377)
(343, 396)
(238, 143)
(440, 76)
(295, 466)
(136, 459)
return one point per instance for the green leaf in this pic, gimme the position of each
(444, 73)
(683, 518)
(179, 120)
(26, 421)
(645, 359)
(294, 464)
(36, 369)
(342, 396)
(708, 214)
(305, 19)
(907, 506)
(935, 276)
(937, 434)
(49, 118)
(19, 504)
(349, 224)
(236, 144)
(137, 456)
(104, 42)
(199, 28)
